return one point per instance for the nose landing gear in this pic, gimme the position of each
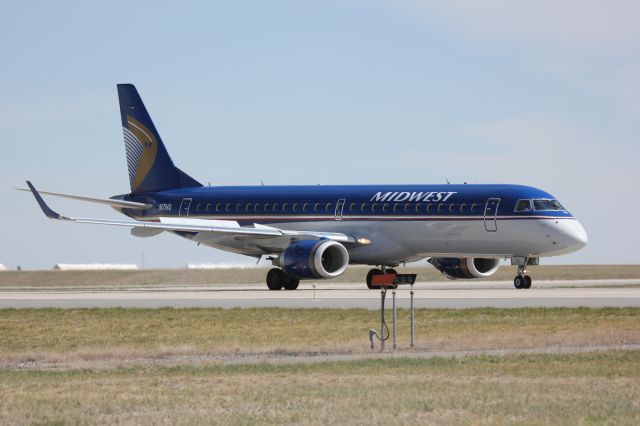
(522, 280)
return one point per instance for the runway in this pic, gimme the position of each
(587, 293)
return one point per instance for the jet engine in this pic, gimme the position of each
(314, 259)
(465, 267)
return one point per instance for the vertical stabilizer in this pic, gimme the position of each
(150, 167)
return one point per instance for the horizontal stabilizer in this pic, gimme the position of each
(107, 201)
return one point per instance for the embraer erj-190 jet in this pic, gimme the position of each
(317, 231)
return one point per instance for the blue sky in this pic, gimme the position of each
(543, 93)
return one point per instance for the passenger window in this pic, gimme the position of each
(429, 207)
(352, 207)
(474, 207)
(452, 207)
(257, 206)
(284, 207)
(373, 207)
(266, 207)
(198, 207)
(275, 206)
(463, 207)
(363, 207)
(523, 206)
(238, 207)
(295, 207)
(407, 207)
(418, 208)
(228, 208)
(385, 206)
(218, 207)
(328, 207)
(316, 208)
(440, 208)
(248, 207)
(304, 207)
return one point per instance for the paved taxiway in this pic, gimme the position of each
(588, 293)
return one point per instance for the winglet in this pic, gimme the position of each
(45, 208)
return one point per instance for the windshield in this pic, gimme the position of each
(523, 206)
(547, 205)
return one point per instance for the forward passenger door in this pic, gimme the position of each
(491, 214)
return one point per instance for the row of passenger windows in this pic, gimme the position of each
(354, 208)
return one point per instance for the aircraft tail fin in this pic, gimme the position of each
(150, 166)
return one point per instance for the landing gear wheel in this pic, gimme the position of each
(527, 281)
(291, 283)
(275, 279)
(519, 282)
(370, 275)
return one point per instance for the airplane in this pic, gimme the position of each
(317, 231)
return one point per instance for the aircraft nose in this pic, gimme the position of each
(581, 235)
(574, 234)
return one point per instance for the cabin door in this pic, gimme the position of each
(184, 207)
(339, 208)
(491, 214)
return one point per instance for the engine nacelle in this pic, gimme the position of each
(314, 259)
(465, 267)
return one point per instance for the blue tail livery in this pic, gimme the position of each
(318, 231)
(149, 164)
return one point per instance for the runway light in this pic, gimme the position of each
(363, 241)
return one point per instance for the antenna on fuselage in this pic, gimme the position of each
(262, 182)
(448, 183)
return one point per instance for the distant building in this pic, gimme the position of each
(2, 268)
(95, 267)
(223, 266)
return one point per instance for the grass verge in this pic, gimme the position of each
(543, 389)
(63, 335)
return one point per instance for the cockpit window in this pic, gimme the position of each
(547, 205)
(523, 206)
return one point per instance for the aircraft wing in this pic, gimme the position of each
(256, 240)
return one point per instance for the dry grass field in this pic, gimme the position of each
(257, 275)
(76, 337)
(601, 388)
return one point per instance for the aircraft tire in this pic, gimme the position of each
(291, 283)
(370, 275)
(527, 281)
(518, 282)
(275, 279)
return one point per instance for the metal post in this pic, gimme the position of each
(394, 319)
(382, 294)
(413, 336)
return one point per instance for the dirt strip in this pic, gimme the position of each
(204, 359)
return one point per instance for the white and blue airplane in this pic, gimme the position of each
(315, 232)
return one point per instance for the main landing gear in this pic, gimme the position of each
(522, 280)
(373, 272)
(277, 280)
